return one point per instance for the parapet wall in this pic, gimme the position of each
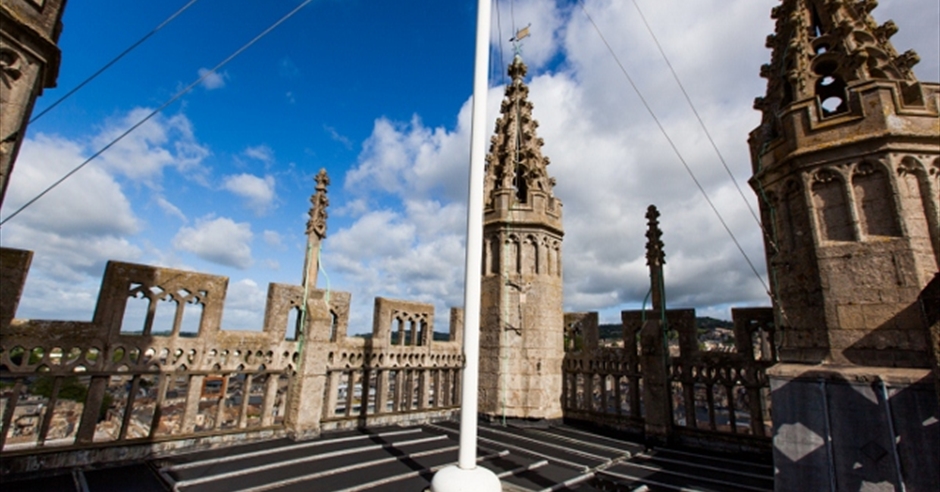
(154, 370)
(660, 385)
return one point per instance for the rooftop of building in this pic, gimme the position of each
(526, 457)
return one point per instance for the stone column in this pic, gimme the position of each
(657, 418)
(305, 402)
(654, 358)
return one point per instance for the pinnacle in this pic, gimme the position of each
(518, 68)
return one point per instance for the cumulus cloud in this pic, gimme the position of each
(159, 143)
(219, 240)
(244, 306)
(212, 80)
(609, 157)
(416, 253)
(88, 219)
(258, 192)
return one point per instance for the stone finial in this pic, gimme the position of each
(655, 257)
(517, 69)
(318, 204)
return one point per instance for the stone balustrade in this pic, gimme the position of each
(672, 391)
(154, 371)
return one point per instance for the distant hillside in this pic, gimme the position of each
(613, 331)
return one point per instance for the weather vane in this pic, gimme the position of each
(520, 35)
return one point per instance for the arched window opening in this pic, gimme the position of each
(494, 255)
(398, 336)
(333, 325)
(874, 201)
(531, 256)
(829, 203)
(830, 91)
(830, 88)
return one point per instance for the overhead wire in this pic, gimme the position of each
(499, 29)
(163, 106)
(771, 234)
(675, 149)
(697, 116)
(108, 65)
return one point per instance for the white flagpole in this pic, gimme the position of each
(467, 476)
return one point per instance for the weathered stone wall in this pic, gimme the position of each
(399, 375)
(706, 399)
(154, 371)
(862, 192)
(602, 385)
(122, 381)
(847, 165)
(29, 62)
(521, 339)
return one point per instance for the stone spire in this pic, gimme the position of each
(316, 227)
(522, 321)
(822, 46)
(515, 161)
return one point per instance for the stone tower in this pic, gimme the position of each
(29, 62)
(846, 166)
(522, 319)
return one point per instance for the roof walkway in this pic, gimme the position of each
(526, 458)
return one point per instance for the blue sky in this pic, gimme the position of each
(377, 93)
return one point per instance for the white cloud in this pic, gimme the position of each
(335, 135)
(219, 240)
(156, 144)
(73, 230)
(271, 238)
(89, 202)
(262, 153)
(170, 209)
(542, 44)
(609, 158)
(415, 254)
(258, 192)
(88, 219)
(244, 306)
(213, 80)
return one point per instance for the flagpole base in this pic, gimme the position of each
(456, 479)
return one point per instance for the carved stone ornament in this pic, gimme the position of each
(654, 245)
(319, 202)
(825, 176)
(515, 157)
(818, 42)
